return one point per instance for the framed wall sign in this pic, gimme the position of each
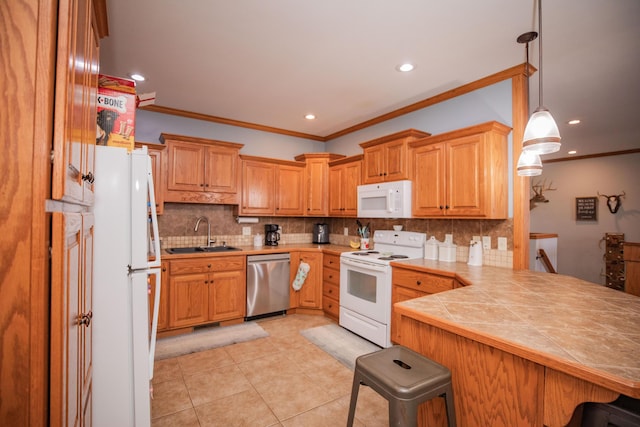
(586, 208)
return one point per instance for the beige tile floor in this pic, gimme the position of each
(281, 380)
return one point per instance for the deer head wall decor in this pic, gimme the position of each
(613, 202)
(539, 189)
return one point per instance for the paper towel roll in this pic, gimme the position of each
(246, 220)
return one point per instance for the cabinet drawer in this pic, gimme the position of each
(331, 261)
(331, 290)
(202, 265)
(331, 306)
(329, 275)
(424, 282)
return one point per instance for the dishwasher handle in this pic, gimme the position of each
(254, 259)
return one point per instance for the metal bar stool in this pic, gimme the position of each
(406, 379)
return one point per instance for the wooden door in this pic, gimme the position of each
(221, 170)
(396, 160)
(310, 295)
(465, 176)
(374, 164)
(227, 295)
(316, 187)
(399, 294)
(185, 166)
(86, 315)
(351, 179)
(189, 299)
(289, 190)
(336, 190)
(258, 180)
(428, 181)
(66, 281)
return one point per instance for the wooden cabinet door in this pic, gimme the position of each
(316, 187)
(310, 295)
(428, 181)
(189, 299)
(221, 170)
(86, 309)
(258, 181)
(157, 171)
(335, 190)
(395, 160)
(289, 190)
(74, 130)
(374, 164)
(465, 176)
(351, 179)
(66, 281)
(227, 295)
(185, 166)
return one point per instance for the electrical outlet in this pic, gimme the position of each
(502, 243)
(448, 238)
(346, 231)
(486, 242)
(476, 239)
(246, 231)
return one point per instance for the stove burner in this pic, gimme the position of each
(365, 253)
(392, 257)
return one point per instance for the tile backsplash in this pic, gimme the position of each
(177, 225)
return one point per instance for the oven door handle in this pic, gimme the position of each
(363, 265)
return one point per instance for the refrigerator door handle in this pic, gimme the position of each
(154, 218)
(154, 322)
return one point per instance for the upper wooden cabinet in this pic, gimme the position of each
(463, 173)
(74, 116)
(158, 169)
(271, 187)
(316, 183)
(201, 170)
(387, 158)
(344, 177)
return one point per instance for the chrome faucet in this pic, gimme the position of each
(210, 241)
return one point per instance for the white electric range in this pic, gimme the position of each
(365, 283)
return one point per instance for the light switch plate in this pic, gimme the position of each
(346, 231)
(502, 243)
(246, 231)
(486, 242)
(448, 238)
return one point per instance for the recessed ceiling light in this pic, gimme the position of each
(406, 67)
(138, 77)
(572, 152)
(574, 121)
(310, 116)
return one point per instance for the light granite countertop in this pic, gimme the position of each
(580, 328)
(263, 250)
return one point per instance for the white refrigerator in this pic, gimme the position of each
(126, 234)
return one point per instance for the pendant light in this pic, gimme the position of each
(529, 163)
(541, 134)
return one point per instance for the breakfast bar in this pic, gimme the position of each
(525, 348)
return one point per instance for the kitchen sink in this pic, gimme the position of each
(198, 249)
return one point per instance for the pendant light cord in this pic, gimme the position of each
(540, 104)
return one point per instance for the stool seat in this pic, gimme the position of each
(406, 379)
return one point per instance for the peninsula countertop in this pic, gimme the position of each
(577, 327)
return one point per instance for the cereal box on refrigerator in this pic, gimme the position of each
(116, 112)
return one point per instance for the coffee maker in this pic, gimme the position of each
(271, 235)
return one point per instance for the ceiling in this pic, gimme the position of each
(271, 62)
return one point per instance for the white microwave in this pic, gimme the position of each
(385, 200)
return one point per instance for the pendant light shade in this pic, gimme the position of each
(529, 164)
(541, 134)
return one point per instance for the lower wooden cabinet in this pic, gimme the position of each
(409, 284)
(204, 290)
(163, 310)
(331, 286)
(310, 295)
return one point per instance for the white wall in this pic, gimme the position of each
(580, 250)
(150, 125)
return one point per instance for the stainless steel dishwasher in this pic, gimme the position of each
(267, 284)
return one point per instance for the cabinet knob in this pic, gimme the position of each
(164, 268)
(201, 185)
(331, 276)
(85, 319)
(330, 291)
(208, 265)
(418, 282)
(88, 177)
(441, 207)
(446, 207)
